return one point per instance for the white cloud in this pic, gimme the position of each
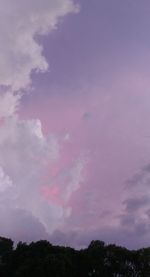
(20, 52)
(72, 178)
(9, 103)
(25, 152)
(25, 155)
(5, 181)
(23, 145)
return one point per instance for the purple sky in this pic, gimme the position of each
(74, 121)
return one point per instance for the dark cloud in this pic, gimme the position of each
(133, 204)
(87, 115)
(136, 207)
(146, 168)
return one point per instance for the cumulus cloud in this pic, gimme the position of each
(27, 210)
(21, 22)
(26, 156)
(9, 103)
(24, 148)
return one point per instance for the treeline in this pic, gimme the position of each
(42, 259)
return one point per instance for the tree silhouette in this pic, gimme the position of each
(42, 259)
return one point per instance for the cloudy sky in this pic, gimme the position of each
(75, 121)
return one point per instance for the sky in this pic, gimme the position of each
(74, 121)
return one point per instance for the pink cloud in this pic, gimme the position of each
(101, 124)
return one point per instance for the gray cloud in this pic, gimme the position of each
(134, 204)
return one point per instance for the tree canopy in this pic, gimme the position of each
(42, 259)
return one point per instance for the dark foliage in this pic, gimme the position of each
(42, 259)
